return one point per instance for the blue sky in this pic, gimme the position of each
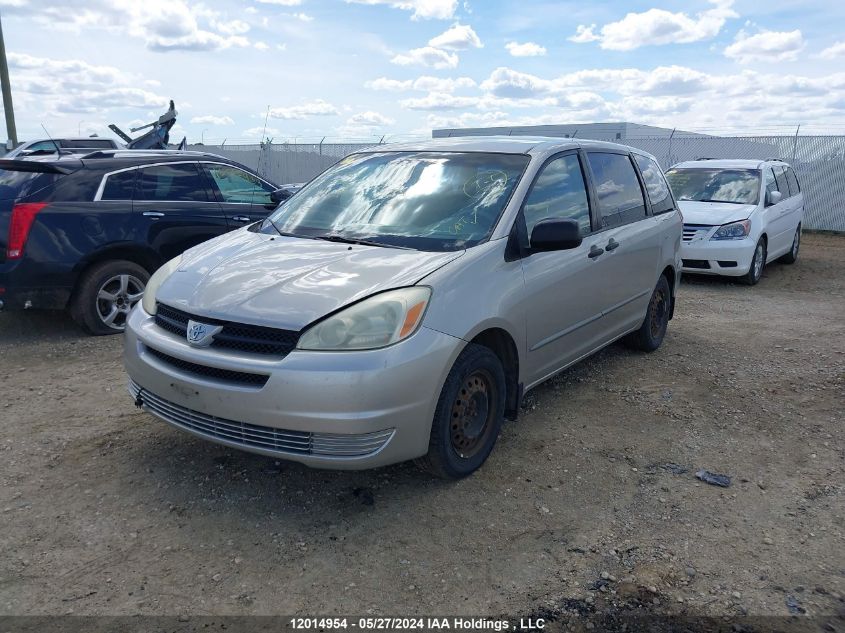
(363, 69)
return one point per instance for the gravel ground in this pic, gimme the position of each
(589, 503)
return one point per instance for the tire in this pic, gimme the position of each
(105, 294)
(653, 329)
(792, 256)
(755, 271)
(464, 430)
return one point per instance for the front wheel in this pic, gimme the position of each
(755, 271)
(106, 293)
(468, 416)
(650, 335)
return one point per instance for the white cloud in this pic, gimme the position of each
(260, 131)
(210, 119)
(834, 51)
(427, 56)
(304, 17)
(425, 9)
(234, 27)
(439, 101)
(163, 25)
(458, 38)
(261, 46)
(389, 85)
(658, 26)
(526, 49)
(304, 111)
(284, 3)
(370, 119)
(54, 86)
(766, 46)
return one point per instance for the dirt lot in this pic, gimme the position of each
(105, 510)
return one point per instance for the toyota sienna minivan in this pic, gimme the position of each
(400, 304)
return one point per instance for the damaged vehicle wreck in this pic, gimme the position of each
(401, 303)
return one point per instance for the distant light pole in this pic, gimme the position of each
(11, 132)
(202, 136)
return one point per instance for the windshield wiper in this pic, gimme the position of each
(334, 237)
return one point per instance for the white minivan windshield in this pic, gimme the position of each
(436, 201)
(738, 186)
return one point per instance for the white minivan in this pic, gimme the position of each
(739, 215)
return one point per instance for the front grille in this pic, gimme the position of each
(696, 263)
(691, 231)
(243, 337)
(267, 438)
(205, 371)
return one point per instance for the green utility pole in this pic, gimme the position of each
(11, 132)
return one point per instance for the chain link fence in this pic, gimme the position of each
(819, 162)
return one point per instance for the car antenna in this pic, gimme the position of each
(58, 151)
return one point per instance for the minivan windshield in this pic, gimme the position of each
(738, 186)
(434, 201)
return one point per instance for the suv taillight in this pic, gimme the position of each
(23, 215)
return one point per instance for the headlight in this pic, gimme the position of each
(732, 231)
(381, 320)
(148, 301)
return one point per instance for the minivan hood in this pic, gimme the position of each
(714, 213)
(287, 282)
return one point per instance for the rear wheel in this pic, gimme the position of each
(468, 416)
(755, 271)
(650, 335)
(792, 256)
(105, 295)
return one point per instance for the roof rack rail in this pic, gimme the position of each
(130, 153)
(706, 158)
(780, 160)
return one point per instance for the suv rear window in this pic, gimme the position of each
(655, 184)
(91, 143)
(119, 186)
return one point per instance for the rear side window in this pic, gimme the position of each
(175, 183)
(655, 184)
(91, 143)
(119, 186)
(780, 176)
(792, 179)
(618, 188)
(559, 192)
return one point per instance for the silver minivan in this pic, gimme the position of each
(400, 305)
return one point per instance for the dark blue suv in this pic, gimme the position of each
(85, 233)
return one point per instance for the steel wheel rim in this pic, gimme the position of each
(758, 261)
(116, 298)
(657, 310)
(472, 414)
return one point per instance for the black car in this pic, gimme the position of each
(86, 232)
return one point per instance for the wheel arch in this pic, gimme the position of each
(502, 344)
(146, 258)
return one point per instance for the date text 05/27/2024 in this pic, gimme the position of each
(467, 624)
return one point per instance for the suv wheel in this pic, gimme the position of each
(105, 295)
(755, 272)
(650, 335)
(792, 256)
(468, 416)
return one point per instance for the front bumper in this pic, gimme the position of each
(344, 410)
(717, 257)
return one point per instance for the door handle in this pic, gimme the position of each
(595, 251)
(153, 214)
(240, 218)
(612, 245)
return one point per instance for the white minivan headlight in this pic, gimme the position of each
(732, 231)
(148, 301)
(379, 321)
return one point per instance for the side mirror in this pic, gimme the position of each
(280, 195)
(555, 235)
(773, 197)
